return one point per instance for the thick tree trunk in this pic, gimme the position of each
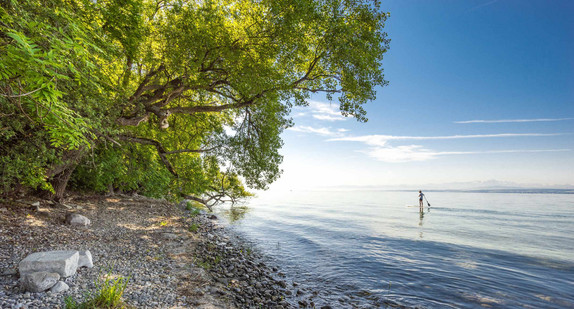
(60, 182)
(59, 175)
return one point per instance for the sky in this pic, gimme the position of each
(480, 92)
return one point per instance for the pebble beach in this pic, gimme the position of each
(174, 257)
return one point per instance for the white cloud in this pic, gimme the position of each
(397, 154)
(320, 131)
(381, 140)
(381, 150)
(514, 120)
(322, 111)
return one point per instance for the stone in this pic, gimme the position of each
(39, 281)
(59, 287)
(85, 259)
(66, 206)
(65, 263)
(78, 220)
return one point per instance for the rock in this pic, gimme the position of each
(66, 206)
(59, 287)
(3, 209)
(35, 204)
(76, 219)
(39, 281)
(64, 263)
(85, 259)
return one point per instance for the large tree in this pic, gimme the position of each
(188, 96)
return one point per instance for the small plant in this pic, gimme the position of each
(108, 295)
(194, 227)
(70, 303)
(217, 260)
(163, 223)
(204, 264)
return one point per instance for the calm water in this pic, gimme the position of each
(470, 250)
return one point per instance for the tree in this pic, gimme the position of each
(198, 91)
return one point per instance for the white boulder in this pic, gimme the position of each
(85, 259)
(76, 219)
(39, 281)
(65, 263)
(59, 287)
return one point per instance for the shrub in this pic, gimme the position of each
(108, 295)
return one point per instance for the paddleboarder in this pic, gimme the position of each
(421, 196)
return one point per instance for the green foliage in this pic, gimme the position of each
(108, 295)
(173, 98)
(129, 169)
(48, 78)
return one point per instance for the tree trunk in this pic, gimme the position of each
(60, 181)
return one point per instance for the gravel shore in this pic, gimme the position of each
(174, 258)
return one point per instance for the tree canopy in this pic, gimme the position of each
(172, 98)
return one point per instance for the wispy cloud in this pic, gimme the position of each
(319, 131)
(321, 111)
(398, 154)
(381, 140)
(483, 5)
(515, 120)
(381, 149)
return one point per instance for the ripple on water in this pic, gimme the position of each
(470, 251)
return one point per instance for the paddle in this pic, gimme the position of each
(427, 201)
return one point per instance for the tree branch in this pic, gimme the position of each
(161, 151)
(208, 108)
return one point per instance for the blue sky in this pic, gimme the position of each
(480, 91)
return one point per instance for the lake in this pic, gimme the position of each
(369, 249)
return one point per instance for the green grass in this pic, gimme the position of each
(108, 295)
(194, 227)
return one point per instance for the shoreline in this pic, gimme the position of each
(173, 259)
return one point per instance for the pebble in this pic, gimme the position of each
(125, 242)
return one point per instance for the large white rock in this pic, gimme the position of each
(59, 287)
(85, 259)
(39, 281)
(65, 263)
(76, 219)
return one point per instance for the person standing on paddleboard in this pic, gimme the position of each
(421, 196)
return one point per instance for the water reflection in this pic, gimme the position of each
(235, 213)
(421, 221)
